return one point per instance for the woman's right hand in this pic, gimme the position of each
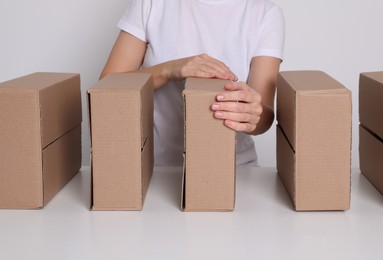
(201, 66)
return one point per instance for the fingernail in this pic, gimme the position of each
(218, 114)
(220, 97)
(215, 106)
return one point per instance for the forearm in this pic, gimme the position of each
(263, 76)
(128, 54)
(201, 65)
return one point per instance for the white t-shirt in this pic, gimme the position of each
(233, 31)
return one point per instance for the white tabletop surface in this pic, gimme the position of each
(263, 225)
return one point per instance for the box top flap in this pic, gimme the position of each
(117, 82)
(201, 85)
(312, 81)
(377, 76)
(36, 81)
(59, 98)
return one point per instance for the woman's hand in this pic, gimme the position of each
(202, 66)
(240, 107)
(249, 107)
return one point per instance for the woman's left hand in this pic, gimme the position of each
(240, 107)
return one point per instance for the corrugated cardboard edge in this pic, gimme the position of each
(370, 155)
(182, 206)
(90, 142)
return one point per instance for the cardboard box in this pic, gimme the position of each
(209, 165)
(314, 140)
(371, 127)
(121, 123)
(40, 137)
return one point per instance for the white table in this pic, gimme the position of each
(263, 225)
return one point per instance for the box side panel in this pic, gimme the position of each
(147, 166)
(147, 159)
(147, 107)
(370, 104)
(20, 150)
(323, 152)
(286, 108)
(61, 161)
(286, 163)
(206, 85)
(312, 81)
(210, 158)
(183, 186)
(371, 155)
(124, 81)
(116, 150)
(60, 108)
(37, 81)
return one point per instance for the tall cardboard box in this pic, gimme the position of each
(209, 165)
(40, 137)
(121, 124)
(371, 127)
(314, 140)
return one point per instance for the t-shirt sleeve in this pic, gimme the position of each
(272, 37)
(135, 17)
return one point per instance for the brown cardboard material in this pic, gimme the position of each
(40, 137)
(371, 127)
(370, 101)
(209, 165)
(370, 155)
(314, 140)
(121, 123)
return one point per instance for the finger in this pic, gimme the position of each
(238, 117)
(250, 96)
(239, 92)
(219, 66)
(238, 107)
(237, 86)
(240, 127)
(208, 72)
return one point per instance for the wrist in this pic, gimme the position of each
(160, 74)
(265, 122)
(165, 71)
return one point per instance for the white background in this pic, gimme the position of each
(341, 37)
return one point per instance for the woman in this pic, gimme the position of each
(238, 40)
